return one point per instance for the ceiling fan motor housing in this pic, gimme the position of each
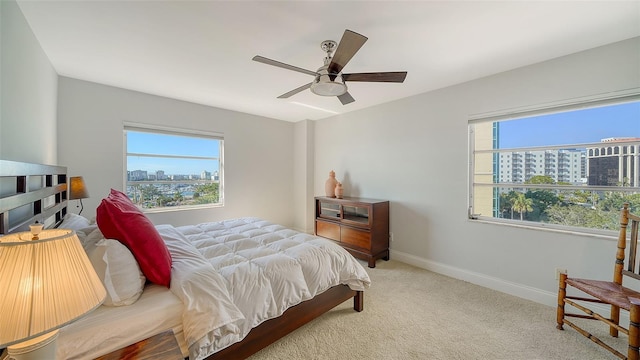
(324, 86)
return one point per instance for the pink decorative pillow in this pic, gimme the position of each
(118, 218)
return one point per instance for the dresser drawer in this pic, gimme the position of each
(359, 238)
(328, 230)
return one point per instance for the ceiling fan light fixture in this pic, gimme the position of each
(328, 88)
(324, 86)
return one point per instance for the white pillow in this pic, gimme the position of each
(90, 240)
(83, 233)
(119, 272)
(74, 222)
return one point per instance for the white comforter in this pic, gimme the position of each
(235, 274)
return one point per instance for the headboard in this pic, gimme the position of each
(30, 193)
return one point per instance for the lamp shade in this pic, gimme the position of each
(77, 188)
(46, 284)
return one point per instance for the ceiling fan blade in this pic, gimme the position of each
(346, 98)
(350, 43)
(295, 91)
(267, 61)
(393, 76)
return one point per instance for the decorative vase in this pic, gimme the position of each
(339, 190)
(330, 185)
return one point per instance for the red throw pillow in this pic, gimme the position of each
(118, 218)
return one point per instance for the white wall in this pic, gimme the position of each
(413, 152)
(258, 152)
(303, 176)
(28, 91)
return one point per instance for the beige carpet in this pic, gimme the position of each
(410, 313)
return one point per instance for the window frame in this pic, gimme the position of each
(156, 129)
(609, 99)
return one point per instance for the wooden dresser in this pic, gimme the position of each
(360, 225)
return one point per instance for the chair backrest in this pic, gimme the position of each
(628, 221)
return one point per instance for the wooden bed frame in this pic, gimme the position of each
(35, 192)
(30, 193)
(272, 330)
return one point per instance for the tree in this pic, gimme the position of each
(207, 194)
(581, 216)
(178, 197)
(542, 199)
(540, 179)
(136, 196)
(522, 204)
(162, 200)
(612, 201)
(506, 202)
(149, 195)
(582, 197)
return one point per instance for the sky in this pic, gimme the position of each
(575, 127)
(163, 144)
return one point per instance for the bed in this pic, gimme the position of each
(236, 286)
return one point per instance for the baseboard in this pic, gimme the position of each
(522, 291)
(511, 288)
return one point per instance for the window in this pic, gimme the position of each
(572, 166)
(173, 169)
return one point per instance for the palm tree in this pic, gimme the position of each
(522, 204)
(178, 197)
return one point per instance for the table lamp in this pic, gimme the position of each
(78, 190)
(47, 282)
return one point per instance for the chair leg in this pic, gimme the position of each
(634, 330)
(562, 293)
(615, 318)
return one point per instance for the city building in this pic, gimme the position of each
(136, 175)
(616, 162)
(566, 166)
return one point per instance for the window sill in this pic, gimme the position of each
(593, 233)
(181, 208)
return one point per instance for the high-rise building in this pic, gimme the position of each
(136, 175)
(616, 162)
(566, 165)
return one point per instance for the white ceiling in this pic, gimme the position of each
(200, 51)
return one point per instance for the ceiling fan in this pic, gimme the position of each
(329, 79)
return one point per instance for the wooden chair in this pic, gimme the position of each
(610, 293)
